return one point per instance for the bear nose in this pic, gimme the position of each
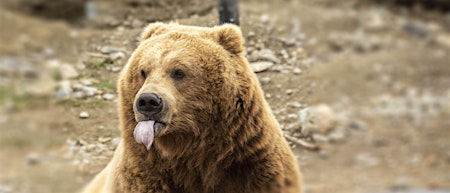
(149, 104)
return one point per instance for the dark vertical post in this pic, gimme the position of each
(228, 11)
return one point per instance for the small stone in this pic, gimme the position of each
(78, 95)
(374, 21)
(251, 34)
(268, 55)
(84, 115)
(115, 142)
(260, 66)
(297, 71)
(67, 71)
(64, 90)
(443, 40)
(104, 139)
(338, 135)
(115, 69)
(289, 91)
(320, 138)
(318, 119)
(116, 56)
(264, 18)
(264, 80)
(400, 184)
(295, 105)
(6, 188)
(290, 41)
(357, 125)
(418, 29)
(110, 49)
(91, 10)
(33, 159)
(136, 23)
(284, 54)
(367, 159)
(89, 91)
(108, 96)
(43, 87)
(86, 82)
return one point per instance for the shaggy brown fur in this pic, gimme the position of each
(221, 135)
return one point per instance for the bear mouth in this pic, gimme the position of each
(159, 127)
(146, 130)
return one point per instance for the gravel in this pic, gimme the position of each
(260, 66)
(84, 115)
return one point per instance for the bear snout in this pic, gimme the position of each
(149, 104)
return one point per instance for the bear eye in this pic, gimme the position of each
(177, 74)
(143, 74)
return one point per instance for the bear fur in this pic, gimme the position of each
(220, 134)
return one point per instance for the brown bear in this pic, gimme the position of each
(194, 119)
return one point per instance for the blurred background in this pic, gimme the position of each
(360, 87)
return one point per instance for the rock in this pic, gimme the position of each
(320, 138)
(284, 54)
(260, 66)
(91, 10)
(6, 189)
(116, 56)
(115, 69)
(268, 55)
(115, 142)
(33, 159)
(443, 39)
(289, 91)
(291, 41)
(104, 139)
(374, 20)
(297, 71)
(14, 66)
(364, 43)
(367, 160)
(110, 49)
(89, 91)
(84, 115)
(64, 90)
(357, 125)
(264, 80)
(318, 119)
(79, 95)
(251, 34)
(67, 71)
(43, 87)
(400, 184)
(295, 105)
(108, 97)
(86, 82)
(253, 56)
(418, 29)
(337, 135)
(264, 18)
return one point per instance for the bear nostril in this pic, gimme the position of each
(141, 103)
(154, 102)
(149, 104)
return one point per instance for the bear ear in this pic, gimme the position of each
(153, 29)
(230, 37)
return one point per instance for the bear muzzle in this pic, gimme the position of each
(149, 104)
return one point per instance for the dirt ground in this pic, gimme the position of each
(367, 83)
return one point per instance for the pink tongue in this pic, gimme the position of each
(144, 133)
